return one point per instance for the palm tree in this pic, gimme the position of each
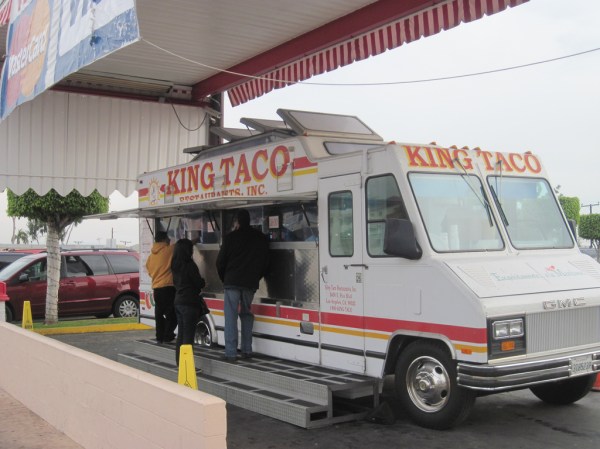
(35, 229)
(22, 237)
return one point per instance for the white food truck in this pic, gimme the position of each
(453, 269)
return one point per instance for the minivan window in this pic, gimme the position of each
(15, 267)
(37, 271)
(76, 267)
(97, 263)
(123, 263)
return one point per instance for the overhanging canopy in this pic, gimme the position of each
(408, 28)
(192, 49)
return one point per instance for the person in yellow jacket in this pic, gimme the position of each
(158, 266)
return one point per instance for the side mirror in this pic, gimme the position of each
(23, 277)
(399, 239)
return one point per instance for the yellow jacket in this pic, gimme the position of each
(158, 265)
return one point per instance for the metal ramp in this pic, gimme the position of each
(305, 395)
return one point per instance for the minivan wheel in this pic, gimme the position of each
(126, 307)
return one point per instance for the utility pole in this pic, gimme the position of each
(590, 206)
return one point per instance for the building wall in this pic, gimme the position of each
(72, 141)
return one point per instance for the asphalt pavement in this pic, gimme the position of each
(517, 420)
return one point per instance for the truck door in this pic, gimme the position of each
(341, 271)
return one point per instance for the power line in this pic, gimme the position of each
(425, 80)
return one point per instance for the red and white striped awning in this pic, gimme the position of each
(5, 11)
(443, 16)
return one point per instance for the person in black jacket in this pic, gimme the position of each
(188, 301)
(241, 263)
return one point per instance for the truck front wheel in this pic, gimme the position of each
(426, 386)
(566, 391)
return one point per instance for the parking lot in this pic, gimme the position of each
(509, 420)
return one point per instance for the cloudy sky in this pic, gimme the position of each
(551, 109)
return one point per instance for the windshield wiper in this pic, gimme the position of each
(487, 208)
(483, 200)
(499, 206)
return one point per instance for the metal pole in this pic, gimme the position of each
(591, 206)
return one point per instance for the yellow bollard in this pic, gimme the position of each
(27, 322)
(187, 370)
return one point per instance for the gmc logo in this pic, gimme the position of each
(564, 303)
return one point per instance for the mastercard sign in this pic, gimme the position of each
(49, 39)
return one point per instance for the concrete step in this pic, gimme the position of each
(298, 393)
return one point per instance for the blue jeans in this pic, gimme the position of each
(238, 297)
(187, 319)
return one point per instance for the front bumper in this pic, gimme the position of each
(524, 374)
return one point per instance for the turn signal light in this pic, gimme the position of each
(507, 345)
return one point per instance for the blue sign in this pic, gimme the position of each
(49, 39)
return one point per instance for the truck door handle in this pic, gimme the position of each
(366, 267)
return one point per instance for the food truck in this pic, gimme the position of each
(452, 269)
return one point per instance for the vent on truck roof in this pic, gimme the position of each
(196, 150)
(264, 125)
(307, 123)
(232, 134)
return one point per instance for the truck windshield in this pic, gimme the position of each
(455, 212)
(532, 215)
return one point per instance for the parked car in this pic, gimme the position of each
(8, 256)
(92, 282)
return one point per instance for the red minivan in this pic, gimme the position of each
(92, 282)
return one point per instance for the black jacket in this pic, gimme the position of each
(188, 284)
(243, 258)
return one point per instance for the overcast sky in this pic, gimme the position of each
(551, 109)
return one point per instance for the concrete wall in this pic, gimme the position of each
(100, 403)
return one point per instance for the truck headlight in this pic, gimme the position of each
(506, 336)
(508, 329)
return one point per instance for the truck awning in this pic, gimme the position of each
(425, 22)
(174, 210)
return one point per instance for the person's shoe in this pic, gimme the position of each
(159, 342)
(229, 359)
(246, 355)
(170, 338)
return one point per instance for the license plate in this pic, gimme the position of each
(581, 365)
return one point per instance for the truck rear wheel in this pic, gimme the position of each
(203, 335)
(566, 391)
(426, 386)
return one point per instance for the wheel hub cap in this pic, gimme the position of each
(428, 384)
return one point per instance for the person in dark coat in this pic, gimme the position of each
(241, 263)
(188, 301)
